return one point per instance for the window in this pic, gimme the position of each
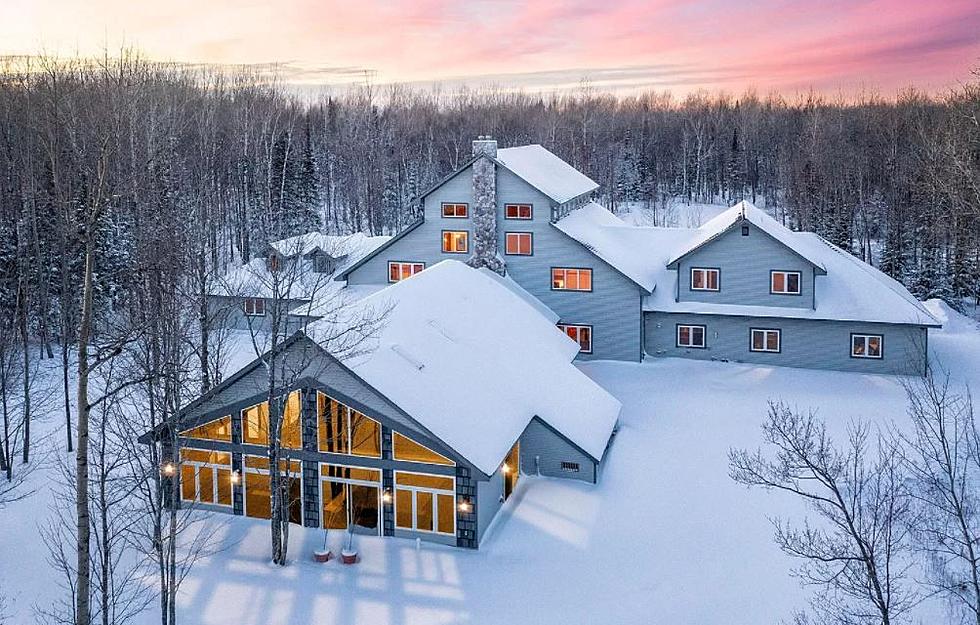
(258, 488)
(205, 476)
(690, 336)
(745, 231)
(581, 334)
(255, 423)
(273, 262)
(425, 503)
(407, 449)
(568, 279)
(343, 430)
(254, 307)
(867, 346)
(784, 282)
(455, 241)
(456, 210)
(704, 279)
(398, 271)
(218, 430)
(519, 243)
(349, 496)
(764, 340)
(570, 467)
(518, 211)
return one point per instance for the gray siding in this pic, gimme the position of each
(613, 308)
(807, 343)
(229, 312)
(543, 451)
(745, 263)
(488, 495)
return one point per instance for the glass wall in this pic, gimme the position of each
(343, 430)
(258, 489)
(205, 476)
(425, 503)
(255, 423)
(350, 496)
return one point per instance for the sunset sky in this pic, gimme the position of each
(830, 45)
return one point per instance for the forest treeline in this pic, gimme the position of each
(199, 167)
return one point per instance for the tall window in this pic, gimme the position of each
(867, 346)
(254, 307)
(455, 241)
(455, 210)
(407, 449)
(784, 282)
(255, 423)
(581, 334)
(703, 279)
(398, 271)
(765, 340)
(519, 243)
(690, 336)
(343, 430)
(518, 211)
(571, 279)
(349, 496)
(425, 503)
(205, 476)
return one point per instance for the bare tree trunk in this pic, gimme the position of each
(82, 606)
(26, 455)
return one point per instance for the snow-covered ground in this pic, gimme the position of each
(666, 536)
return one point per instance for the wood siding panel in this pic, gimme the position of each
(543, 451)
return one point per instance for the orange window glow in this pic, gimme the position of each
(519, 243)
(455, 241)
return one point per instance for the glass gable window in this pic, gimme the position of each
(343, 430)
(218, 430)
(425, 503)
(690, 336)
(785, 282)
(455, 241)
(409, 450)
(571, 279)
(581, 334)
(519, 244)
(764, 340)
(205, 476)
(455, 209)
(254, 307)
(255, 423)
(867, 346)
(518, 211)
(398, 271)
(705, 279)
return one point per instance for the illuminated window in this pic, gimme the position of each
(455, 241)
(764, 340)
(258, 489)
(784, 282)
(407, 449)
(205, 476)
(690, 336)
(254, 307)
(398, 271)
(218, 430)
(570, 279)
(519, 243)
(581, 334)
(704, 279)
(867, 346)
(255, 423)
(518, 211)
(343, 430)
(425, 503)
(455, 209)
(350, 496)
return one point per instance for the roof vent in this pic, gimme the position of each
(401, 351)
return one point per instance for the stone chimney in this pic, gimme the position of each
(485, 253)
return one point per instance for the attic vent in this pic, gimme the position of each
(398, 349)
(570, 467)
(745, 231)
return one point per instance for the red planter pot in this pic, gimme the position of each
(348, 557)
(322, 556)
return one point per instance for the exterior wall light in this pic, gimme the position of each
(386, 495)
(236, 477)
(505, 468)
(168, 469)
(465, 505)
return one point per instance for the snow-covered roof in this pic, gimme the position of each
(474, 362)
(254, 279)
(746, 211)
(851, 290)
(546, 172)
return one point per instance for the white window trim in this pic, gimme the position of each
(528, 218)
(252, 300)
(706, 271)
(435, 503)
(289, 473)
(786, 275)
(564, 328)
(351, 482)
(765, 335)
(401, 265)
(198, 468)
(350, 433)
(442, 210)
(580, 270)
(865, 337)
(704, 336)
(530, 237)
(465, 238)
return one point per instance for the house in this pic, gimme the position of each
(422, 432)
(742, 287)
(290, 274)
